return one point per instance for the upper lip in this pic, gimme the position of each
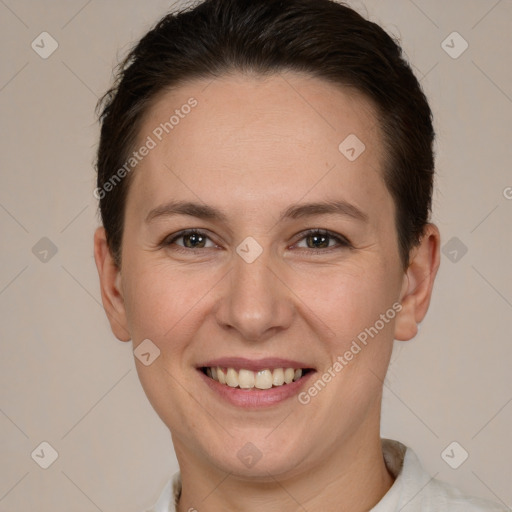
(255, 365)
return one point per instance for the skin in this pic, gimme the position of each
(251, 148)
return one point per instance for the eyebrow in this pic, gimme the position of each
(203, 211)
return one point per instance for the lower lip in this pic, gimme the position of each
(253, 398)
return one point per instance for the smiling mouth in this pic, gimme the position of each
(248, 379)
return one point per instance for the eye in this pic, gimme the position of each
(320, 240)
(190, 239)
(315, 240)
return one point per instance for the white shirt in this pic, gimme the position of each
(413, 490)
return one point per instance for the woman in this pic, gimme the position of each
(265, 176)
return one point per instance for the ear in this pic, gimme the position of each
(418, 283)
(110, 284)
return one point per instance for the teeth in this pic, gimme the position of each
(289, 373)
(232, 378)
(247, 379)
(263, 379)
(278, 377)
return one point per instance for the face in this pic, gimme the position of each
(254, 243)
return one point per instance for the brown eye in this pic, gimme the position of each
(191, 239)
(317, 241)
(320, 240)
(194, 240)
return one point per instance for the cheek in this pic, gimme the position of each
(158, 301)
(349, 297)
(162, 305)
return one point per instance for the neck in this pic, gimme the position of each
(354, 478)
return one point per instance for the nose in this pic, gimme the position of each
(255, 301)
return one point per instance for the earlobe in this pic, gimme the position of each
(110, 285)
(418, 284)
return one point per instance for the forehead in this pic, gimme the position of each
(260, 142)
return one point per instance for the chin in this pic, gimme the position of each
(257, 457)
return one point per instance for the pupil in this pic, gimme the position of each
(319, 241)
(192, 240)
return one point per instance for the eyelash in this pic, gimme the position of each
(342, 242)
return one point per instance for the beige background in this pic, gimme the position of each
(66, 380)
